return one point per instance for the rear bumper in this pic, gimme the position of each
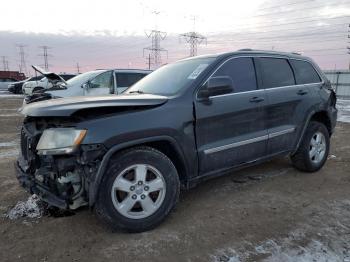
(28, 182)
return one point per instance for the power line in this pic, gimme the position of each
(45, 54)
(193, 38)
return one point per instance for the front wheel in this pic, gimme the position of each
(314, 148)
(138, 190)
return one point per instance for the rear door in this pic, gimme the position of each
(230, 128)
(286, 101)
(125, 80)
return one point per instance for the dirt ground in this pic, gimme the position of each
(269, 212)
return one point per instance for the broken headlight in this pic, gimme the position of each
(56, 141)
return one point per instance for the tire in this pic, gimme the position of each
(306, 157)
(121, 173)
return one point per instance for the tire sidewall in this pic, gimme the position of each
(138, 156)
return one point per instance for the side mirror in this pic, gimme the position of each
(85, 85)
(215, 86)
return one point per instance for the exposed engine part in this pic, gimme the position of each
(71, 186)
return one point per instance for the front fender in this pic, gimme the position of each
(94, 186)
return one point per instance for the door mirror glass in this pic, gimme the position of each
(215, 86)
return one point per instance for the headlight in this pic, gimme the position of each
(56, 141)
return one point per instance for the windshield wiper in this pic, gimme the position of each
(137, 91)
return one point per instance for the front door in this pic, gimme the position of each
(102, 84)
(230, 128)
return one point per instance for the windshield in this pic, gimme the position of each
(82, 78)
(170, 79)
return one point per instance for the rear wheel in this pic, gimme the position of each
(139, 189)
(314, 148)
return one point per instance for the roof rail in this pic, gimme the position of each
(296, 53)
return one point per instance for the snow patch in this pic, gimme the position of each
(8, 144)
(343, 107)
(30, 208)
(9, 153)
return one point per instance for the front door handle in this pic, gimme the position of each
(256, 99)
(301, 92)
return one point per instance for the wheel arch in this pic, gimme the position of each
(321, 116)
(165, 144)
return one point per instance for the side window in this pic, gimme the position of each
(103, 80)
(276, 72)
(304, 72)
(128, 79)
(242, 72)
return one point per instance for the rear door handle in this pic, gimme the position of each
(256, 99)
(301, 92)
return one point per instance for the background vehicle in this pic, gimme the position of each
(29, 87)
(188, 121)
(16, 87)
(4, 82)
(93, 83)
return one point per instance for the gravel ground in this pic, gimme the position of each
(269, 212)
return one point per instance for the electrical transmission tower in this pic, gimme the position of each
(78, 68)
(5, 63)
(22, 56)
(194, 39)
(45, 54)
(154, 52)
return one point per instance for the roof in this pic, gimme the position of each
(249, 51)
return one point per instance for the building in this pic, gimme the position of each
(13, 75)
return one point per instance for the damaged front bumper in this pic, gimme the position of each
(29, 183)
(61, 181)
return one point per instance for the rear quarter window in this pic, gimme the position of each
(276, 72)
(305, 73)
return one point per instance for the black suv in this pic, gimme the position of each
(128, 155)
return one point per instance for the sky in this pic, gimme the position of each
(113, 34)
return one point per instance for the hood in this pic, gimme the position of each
(68, 106)
(53, 77)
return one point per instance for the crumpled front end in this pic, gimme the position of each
(61, 180)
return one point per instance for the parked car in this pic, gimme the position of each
(16, 87)
(195, 119)
(4, 82)
(93, 83)
(50, 80)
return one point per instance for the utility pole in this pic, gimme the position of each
(155, 50)
(5, 63)
(78, 68)
(193, 38)
(22, 55)
(348, 47)
(45, 54)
